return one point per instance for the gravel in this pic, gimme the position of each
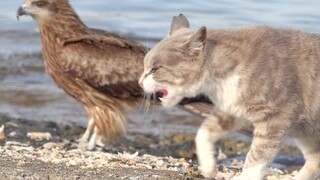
(53, 153)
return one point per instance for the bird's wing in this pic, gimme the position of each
(199, 105)
(105, 61)
(203, 107)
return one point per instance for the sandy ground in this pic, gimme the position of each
(46, 150)
(35, 169)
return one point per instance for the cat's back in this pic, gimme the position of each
(263, 34)
(255, 46)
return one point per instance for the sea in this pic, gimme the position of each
(26, 91)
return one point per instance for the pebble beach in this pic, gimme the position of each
(53, 152)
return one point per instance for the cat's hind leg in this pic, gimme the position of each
(269, 133)
(212, 129)
(310, 147)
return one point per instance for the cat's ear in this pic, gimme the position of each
(198, 40)
(178, 22)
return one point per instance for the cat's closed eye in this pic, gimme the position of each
(154, 69)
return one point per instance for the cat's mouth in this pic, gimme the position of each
(161, 93)
(167, 99)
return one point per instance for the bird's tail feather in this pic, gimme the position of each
(110, 121)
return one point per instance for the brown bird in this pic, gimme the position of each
(98, 68)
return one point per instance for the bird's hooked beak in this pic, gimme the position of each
(20, 12)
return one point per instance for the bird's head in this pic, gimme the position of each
(40, 9)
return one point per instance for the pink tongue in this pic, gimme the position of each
(163, 92)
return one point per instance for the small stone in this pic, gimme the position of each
(160, 163)
(50, 145)
(221, 167)
(12, 134)
(14, 143)
(76, 177)
(131, 161)
(182, 160)
(170, 159)
(21, 163)
(128, 156)
(73, 163)
(234, 162)
(19, 148)
(39, 136)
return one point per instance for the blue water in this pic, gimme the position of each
(152, 17)
(26, 91)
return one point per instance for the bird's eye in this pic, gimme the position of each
(41, 3)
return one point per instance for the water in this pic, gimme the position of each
(26, 91)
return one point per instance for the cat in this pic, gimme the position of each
(256, 75)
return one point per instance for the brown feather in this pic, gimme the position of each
(98, 68)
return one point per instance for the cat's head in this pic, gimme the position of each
(174, 67)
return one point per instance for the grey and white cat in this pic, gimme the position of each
(257, 75)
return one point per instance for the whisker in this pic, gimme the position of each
(146, 108)
(141, 102)
(153, 100)
(146, 105)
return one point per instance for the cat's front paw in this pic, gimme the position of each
(288, 177)
(208, 171)
(241, 177)
(245, 176)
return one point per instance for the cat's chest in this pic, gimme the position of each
(225, 93)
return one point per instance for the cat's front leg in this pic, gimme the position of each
(268, 136)
(212, 129)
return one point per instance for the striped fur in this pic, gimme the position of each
(257, 75)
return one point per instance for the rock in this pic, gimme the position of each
(19, 148)
(21, 163)
(14, 143)
(127, 156)
(12, 134)
(72, 163)
(50, 145)
(131, 162)
(39, 136)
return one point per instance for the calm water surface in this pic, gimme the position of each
(26, 91)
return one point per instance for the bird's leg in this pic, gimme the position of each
(85, 137)
(93, 139)
(100, 141)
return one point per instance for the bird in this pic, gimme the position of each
(98, 68)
